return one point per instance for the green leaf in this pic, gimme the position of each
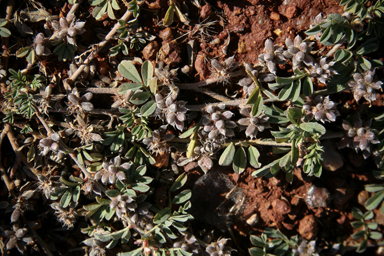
(227, 156)
(129, 86)
(189, 132)
(363, 246)
(22, 52)
(285, 92)
(375, 235)
(313, 127)
(308, 86)
(256, 252)
(254, 155)
(254, 96)
(179, 182)
(148, 108)
(140, 187)
(66, 198)
(4, 32)
(192, 144)
(182, 197)
(147, 72)
(257, 108)
(374, 187)
(357, 224)
(111, 15)
(162, 216)
(76, 193)
(99, 11)
(129, 71)
(357, 213)
(169, 232)
(240, 160)
(296, 88)
(168, 19)
(374, 201)
(140, 98)
(326, 35)
(112, 193)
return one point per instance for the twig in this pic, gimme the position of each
(47, 128)
(8, 183)
(19, 155)
(212, 94)
(41, 242)
(99, 46)
(73, 10)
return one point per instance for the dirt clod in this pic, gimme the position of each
(291, 12)
(275, 16)
(170, 54)
(149, 51)
(308, 227)
(205, 11)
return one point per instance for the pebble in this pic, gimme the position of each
(274, 16)
(332, 159)
(205, 11)
(291, 12)
(149, 51)
(308, 227)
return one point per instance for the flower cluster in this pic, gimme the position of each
(253, 124)
(79, 104)
(364, 85)
(322, 71)
(305, 248)
(217, 122)
(40, 45)
(247, 83)
(122, 203)
(112, 170)
(188, 243)
(171, 111)
(50, 144)
(67, 216)
(299, 52)
(272, 55)
(322, 109)
(67, 29)
(359, 136)
(164, 75)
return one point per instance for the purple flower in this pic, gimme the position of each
(216, 122)
(364, 85)
(253, 124)
(322, 109)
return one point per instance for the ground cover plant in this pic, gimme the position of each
(191, 127)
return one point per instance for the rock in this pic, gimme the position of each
(149, 51)
(379, 216)
(281, 206)
(362, 197)
(170, 54)
(356, 159)
(332, 159)
(166, 35)
(291, 12)
(274, 16)
(205, 11)
(317, 197)
(308, 227)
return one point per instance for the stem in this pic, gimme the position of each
(193, 86)
(265, 142)
(81, 166)
(97, 47)
(46, 127)
(73, 10)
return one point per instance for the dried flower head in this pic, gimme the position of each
(247, 83)
(84, 133)
(188, 243)
(157, 143)
(67, 216)
(364, 85)
(97, 247)
(272, 55)
(22, 204)
(17, 238)
(322, 109)
(222, 71)
(63, 29)
(217, 122)
(77, 104)
(164, 75)
(112, 170)
(359, 136)
(218, 248)
(323, 70)
(306, 248)
(298, 51)
(253, 124)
